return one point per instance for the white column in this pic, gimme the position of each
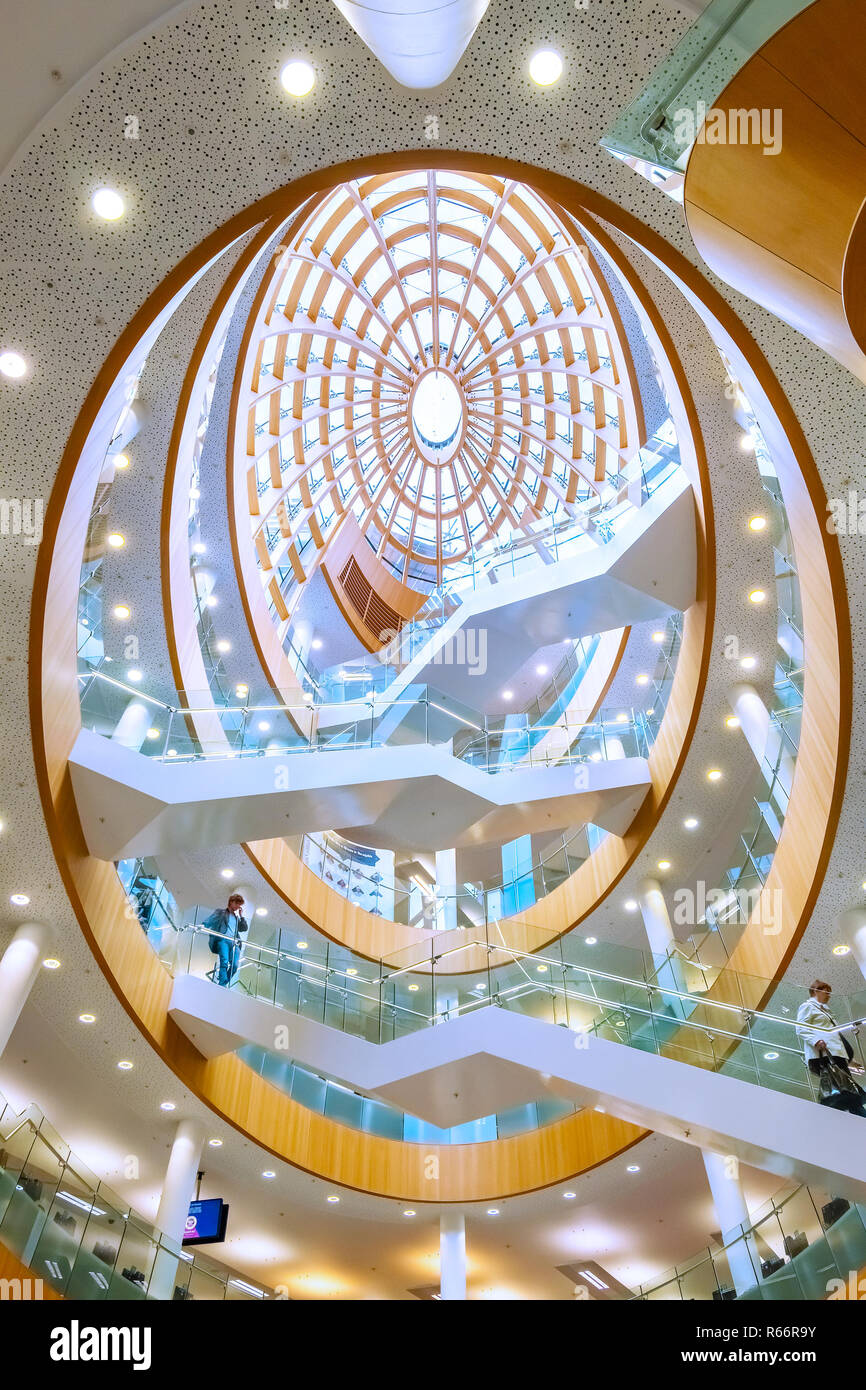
(446, 889)
(178, 1191)
(19, 967)
(852, 929)
(180, 1176)
(452, 1255)
(660, 935)
(731, 1213)
(761, 734)
(133, 724)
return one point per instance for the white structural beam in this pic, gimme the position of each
(420, 42)
(386, 793)
(494, 1059)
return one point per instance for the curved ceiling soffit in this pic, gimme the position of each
(94, 891)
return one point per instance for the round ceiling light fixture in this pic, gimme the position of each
(108, 204)
(298, 77)
(545, 67)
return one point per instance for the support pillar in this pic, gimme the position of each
(452, 1255)
(446, 889)
(660, 935)
(19, 967)
(731, 1214)
(133, 724)
(852, 929)
(178, 1191)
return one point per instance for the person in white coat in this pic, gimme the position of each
(824, 1042)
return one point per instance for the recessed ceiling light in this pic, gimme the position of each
(264, 725)
(298, 77)
(757, 523)
(51, 963)
(302, 945)
(317, 644)
(508, 694)
(409, 1212)
(107, 204)
(333, 1197)
(223, 646)
(199, 548)
(12, 364)
(87, 1018)
(227, 873)
(413, 989)
(167, 1105)
(172, 753)
(351, 970)
(621, 718)
(664, 865)
(545, 67)
(116, 540)
(650, 713)
(590, 940)
(541, 670)
(714, 774)
(121, 611)
(732, 722)
(212, 601)
(841, 950)
(134, 675)
(242, 690)
(691, 823)
(492, 1211)
(541, 969)
(658, 637)
(747, 443)
(757, 596)
(630, 905)
(261, 912)
(569, 1196)
(771, 1056)
(121, 460)
(269, 1173)
(748, 663)
(152, 734)
(642, 679)
(19, 899)
(125, 1066)
(633, 1168)
(215, 1143)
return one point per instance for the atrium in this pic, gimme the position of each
(432, 819)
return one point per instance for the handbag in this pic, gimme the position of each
(834, 1080)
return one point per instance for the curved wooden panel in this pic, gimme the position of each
(787, 229)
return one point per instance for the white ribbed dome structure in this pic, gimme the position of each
(436, 358)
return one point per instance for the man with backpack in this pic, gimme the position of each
(226, 926)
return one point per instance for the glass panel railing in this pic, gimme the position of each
(78, 1236)
(660, 125)
(804, 1245)
(709, 1017)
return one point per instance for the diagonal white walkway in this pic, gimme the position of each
(645, 573)
(405, 797)
(493, 1059)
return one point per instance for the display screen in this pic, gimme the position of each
(206, 1222)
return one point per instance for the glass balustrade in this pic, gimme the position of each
(715, 1018)
(659, 127)
(804, 1244)
(81, 1238)
(195, 727)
